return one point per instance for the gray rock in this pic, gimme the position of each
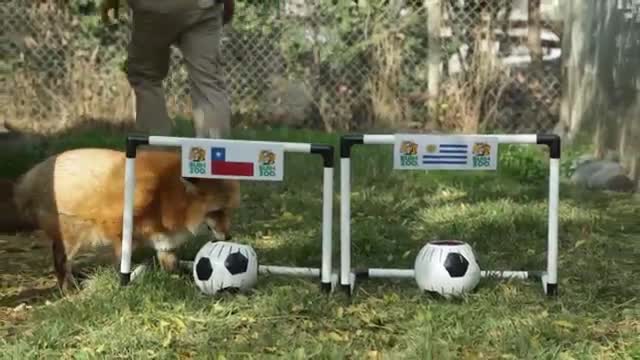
(601, 175)
(287, 102)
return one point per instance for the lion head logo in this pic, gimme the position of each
(197, 154)
(481, 149)
(408, 148)
(267, 157)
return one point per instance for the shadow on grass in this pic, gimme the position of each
(30, 296)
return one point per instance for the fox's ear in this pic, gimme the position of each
(190, 184)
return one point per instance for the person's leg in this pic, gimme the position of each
(148, 64)
(200, 47)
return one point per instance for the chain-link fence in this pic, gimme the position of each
(307, 63)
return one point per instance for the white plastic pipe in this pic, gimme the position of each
(378, 139)
(410, 273)
(552, 244)
(505, 274)
(502, 138)
(345, 220)
(273, 269)
(297, 147)
(289, 270)
(127, 220)
(179, 141)
(327, 221)
(138, 271)
(391, 273)
(186, 264)
(513, 139)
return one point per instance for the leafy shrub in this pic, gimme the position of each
(523, 162)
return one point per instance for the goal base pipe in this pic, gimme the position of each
(373, 273)
(409, 274)
(309, 272)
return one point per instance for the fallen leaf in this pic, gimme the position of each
(564, 324)
(22, 307)
(270, 349)
(336, 337)
(167, 340)
(565, 356)
(181, 325)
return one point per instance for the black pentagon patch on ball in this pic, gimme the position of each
(236, 263)
(204, 269)
(456, 265)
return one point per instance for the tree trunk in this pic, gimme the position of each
(600, 72)
(434, 13)
(578, 88)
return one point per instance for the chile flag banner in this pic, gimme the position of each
(220, 165)
(232, 159)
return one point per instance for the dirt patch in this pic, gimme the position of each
(26, 269)
(26, 274)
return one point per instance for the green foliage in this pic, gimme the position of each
(84, 7)
(523, 162)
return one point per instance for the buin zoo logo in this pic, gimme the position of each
(408, 153)
(197, 163)
(481, 155)
(267, 163)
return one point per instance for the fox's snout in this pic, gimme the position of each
(219, 235)
(219, 224)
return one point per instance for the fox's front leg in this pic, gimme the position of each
(168, 260)
(166, 246)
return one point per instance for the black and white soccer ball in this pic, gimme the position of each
(447, 267)
(222, 266)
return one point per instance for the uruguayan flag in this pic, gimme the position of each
(449, 154)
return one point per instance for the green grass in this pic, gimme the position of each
(502, 214)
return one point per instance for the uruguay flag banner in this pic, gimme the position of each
(233, 159)
(445, 152)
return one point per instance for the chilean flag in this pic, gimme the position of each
(220, 165)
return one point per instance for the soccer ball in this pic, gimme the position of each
(222, 265)
(447, 267)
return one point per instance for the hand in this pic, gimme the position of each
(227, 14)
(107, 5)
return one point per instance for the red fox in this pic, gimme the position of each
(76, 198)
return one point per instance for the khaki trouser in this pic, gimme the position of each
(195, 27)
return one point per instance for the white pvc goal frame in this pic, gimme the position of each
(348, 275)
(327, 279)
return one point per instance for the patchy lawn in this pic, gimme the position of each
(502, 215)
